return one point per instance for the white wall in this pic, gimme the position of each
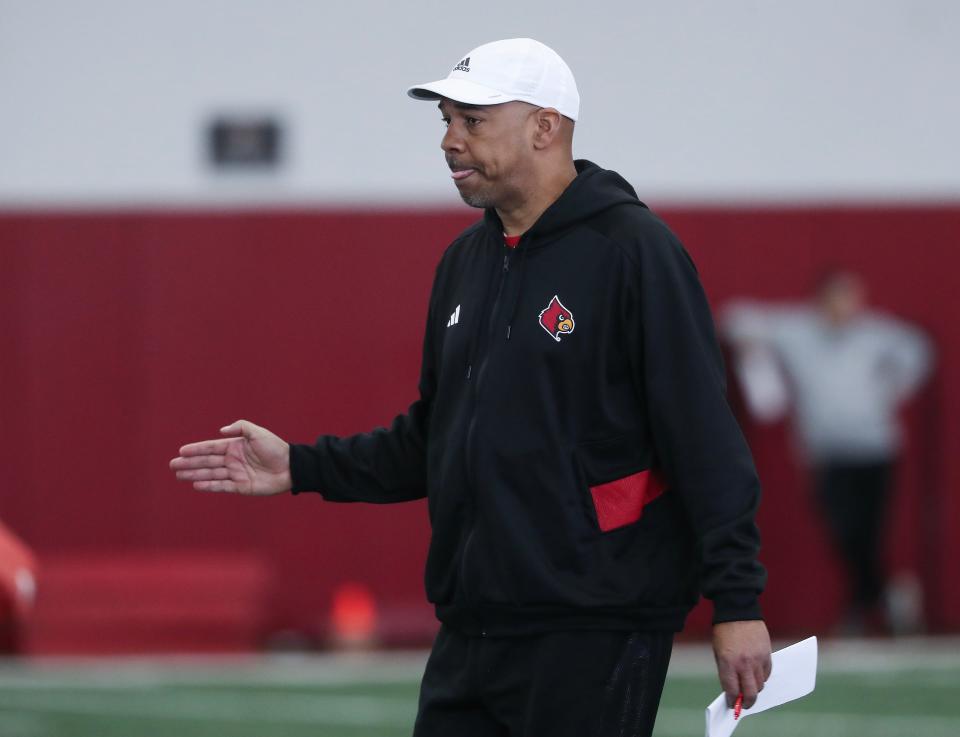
(102, 102)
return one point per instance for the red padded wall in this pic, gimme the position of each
(123, 336)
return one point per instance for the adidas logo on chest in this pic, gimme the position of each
(454, 317)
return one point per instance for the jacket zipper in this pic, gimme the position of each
(484, 348)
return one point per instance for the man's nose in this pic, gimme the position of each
(451, 141)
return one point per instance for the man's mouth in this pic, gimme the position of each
(461, 174)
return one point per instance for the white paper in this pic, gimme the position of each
(794, 675)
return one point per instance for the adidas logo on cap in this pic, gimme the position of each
(463, 66)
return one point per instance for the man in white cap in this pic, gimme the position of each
(586, 479)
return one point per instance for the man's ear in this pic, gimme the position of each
(547, 120)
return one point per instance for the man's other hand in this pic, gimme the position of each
(250, 460)
(742, 651)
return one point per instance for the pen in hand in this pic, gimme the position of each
(737, 706)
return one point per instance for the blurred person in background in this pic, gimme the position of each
(18, 570)
(846, 369)
(586, 478)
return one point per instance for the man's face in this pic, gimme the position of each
(843, 298)
(488, 149)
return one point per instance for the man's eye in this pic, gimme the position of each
(473, 121)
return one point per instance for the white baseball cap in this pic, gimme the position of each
(503, 71)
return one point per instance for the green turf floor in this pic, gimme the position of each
(862, 691)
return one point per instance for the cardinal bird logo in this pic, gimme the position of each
(556, 319)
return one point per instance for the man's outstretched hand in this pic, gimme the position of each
(249, 460)
(742, 651)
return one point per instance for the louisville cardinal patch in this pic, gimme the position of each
(556, 319)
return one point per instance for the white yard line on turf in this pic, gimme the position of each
(268, 708)
(137, 672)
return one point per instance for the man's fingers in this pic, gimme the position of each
(729, 682)
(217, 485)
(207, 447)
(743, 677)
(761, 672)
(759, 677)
(203, 474)
(239, 428)
(214, 461)
(234, 431)
(748, 687)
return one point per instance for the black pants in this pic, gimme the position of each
(854, 498)
(558, 684)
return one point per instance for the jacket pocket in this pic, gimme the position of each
(621, 502)
(621, 479)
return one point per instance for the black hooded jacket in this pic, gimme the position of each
(582, 466)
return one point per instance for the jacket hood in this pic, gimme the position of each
(594, 190)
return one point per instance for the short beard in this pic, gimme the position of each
(478, 199)
(491, 195)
